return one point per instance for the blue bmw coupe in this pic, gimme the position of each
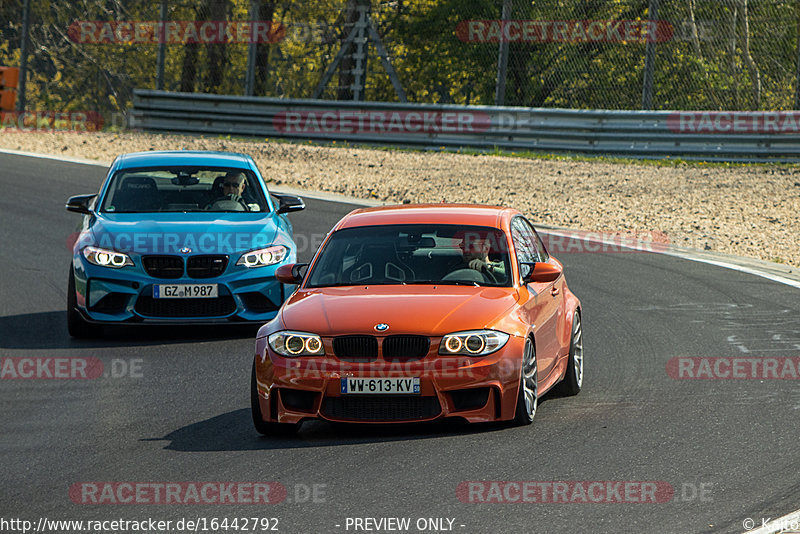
(179, 237)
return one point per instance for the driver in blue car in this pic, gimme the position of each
(233, 186)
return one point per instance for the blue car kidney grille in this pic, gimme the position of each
(206, 266)
(168, 267)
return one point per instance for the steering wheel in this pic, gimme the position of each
(465, 275)
(229, 203)
(490, 277)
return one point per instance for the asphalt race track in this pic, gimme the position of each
(173, 403)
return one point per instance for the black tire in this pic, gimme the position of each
(263, 427)
(528, 397)
(573, 374)
(76, 324)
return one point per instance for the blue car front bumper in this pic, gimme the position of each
(125, 295)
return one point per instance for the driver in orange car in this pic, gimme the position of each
(476, 257)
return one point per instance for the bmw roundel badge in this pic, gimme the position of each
(382, 327)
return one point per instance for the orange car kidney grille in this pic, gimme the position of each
(356, 348)
(405, 348)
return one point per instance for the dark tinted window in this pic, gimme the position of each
(413, 254)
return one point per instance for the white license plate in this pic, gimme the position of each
(369, 385)
(185, 291)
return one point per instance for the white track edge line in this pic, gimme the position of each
(685, 256)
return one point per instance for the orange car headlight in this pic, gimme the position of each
(293, 344)
(472, 343)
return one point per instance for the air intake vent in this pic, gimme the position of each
(381, 408)
(210, 307)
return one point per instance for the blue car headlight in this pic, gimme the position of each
(263, 256)
(106, 258)
(473, 343)
(292, 344)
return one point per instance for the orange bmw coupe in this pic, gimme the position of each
(419, 312)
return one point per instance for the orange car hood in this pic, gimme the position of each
(430, 310)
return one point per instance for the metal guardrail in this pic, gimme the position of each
(713, 136)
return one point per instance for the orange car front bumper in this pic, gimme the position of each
(476, 389)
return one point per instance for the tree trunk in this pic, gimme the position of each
(216, 52)
(752, 68)
(693, 27)
(732, 56)
(266, 12)
(698, 51)
(189, 68)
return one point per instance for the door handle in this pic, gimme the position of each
(554, 291)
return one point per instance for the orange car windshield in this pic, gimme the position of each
(414, 254)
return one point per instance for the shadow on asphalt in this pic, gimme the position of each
(233, 431)
(48, 330)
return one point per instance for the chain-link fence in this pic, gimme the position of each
(592, 54)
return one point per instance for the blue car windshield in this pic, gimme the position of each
(440, 254)
(184, 189)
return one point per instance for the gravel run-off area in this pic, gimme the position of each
(746, 210)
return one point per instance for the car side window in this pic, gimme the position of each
(537, 240)
(524, 244)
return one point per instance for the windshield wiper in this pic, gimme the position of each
(449, 283)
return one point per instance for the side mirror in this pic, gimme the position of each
(291, 273)
(288, 203)
(80, 203)
(541, 272)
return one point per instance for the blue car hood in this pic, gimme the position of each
(172, 233)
